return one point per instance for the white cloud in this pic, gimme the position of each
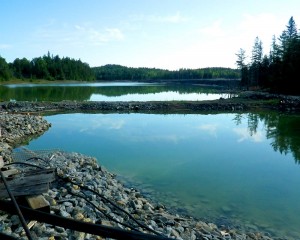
(115, 33)
(103, 123)
(173, 138)
(244, 135)
(213, 30)
(96, 37)
(76, 35)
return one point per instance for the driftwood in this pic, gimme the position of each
(31, 182)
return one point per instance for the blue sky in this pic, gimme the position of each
(168, 34)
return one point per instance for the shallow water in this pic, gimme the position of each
(235, 169)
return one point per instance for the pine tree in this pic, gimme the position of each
(241, 57)
(291, 29)
(257, 52)
(256, 60)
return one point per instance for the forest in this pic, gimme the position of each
(277, 71)
(47, 67)
(118, 72)
(55, 68)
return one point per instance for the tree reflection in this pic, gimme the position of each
(84, 93)
(282, 129)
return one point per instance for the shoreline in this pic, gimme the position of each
(20, 121)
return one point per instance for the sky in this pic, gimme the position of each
(166, 34)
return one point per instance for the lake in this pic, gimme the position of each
(239, 170)
(111, 91)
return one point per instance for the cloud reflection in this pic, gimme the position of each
(244, 135)
(103, 123)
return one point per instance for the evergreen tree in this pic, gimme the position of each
(274, 51)
(5, 73)
(256, 59)
(241, 57)
(257, 52)
(280, 71)
(290, 56)
(241, 64)
(291, 29)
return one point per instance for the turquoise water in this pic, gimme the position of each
(235, 169)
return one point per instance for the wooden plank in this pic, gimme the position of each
(10, 172)
(30, 183)
(23, 191)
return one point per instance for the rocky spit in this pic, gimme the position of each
(72, 200)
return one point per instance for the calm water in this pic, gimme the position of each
(115, 91)
(235, 169)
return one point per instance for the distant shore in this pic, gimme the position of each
(228, 83)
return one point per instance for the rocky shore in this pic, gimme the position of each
(74, 200)
(18, 128)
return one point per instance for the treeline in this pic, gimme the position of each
(117, 72)
(46, 67)
(279, 70)
(56, 68)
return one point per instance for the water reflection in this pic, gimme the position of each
(283, 131)
(109, 92)
(227, 168)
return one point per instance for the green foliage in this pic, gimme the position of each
(5, 73)
(50, 68)
(117, 72)
(279, 71)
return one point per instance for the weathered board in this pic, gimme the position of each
(31, 182)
